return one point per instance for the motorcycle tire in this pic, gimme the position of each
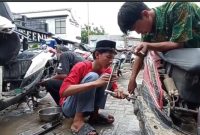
(142, 128)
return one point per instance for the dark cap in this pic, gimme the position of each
(60, 48)
(106, 45)
(50, 34)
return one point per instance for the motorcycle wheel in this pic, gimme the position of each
(198, 122)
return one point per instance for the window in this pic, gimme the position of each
(37, 24)
(60, 26)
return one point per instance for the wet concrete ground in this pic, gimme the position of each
(24, 121)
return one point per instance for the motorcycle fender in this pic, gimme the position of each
(38, 62)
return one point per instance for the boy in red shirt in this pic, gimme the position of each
(83, 90)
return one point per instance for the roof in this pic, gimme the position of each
(68, 9)
(110, 37)
(47, 13)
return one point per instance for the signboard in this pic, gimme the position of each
(31, 34)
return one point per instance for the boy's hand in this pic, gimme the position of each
(103, 80)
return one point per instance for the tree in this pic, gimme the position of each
(88, 30)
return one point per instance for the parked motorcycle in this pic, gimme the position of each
(84, 51)
(85, 54)
(20, 72)
(168, 102)
(21, 77)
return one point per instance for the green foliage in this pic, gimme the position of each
(88, 30)
(35, 45)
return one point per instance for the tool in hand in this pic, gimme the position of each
(129, 97)
(114, 67)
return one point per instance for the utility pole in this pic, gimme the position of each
(88, 11)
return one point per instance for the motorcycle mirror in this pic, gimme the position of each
(6, 26)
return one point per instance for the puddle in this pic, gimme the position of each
(14, 111)
(21, 120)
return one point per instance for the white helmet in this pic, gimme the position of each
(6, 26)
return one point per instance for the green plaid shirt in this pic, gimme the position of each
(176, 22)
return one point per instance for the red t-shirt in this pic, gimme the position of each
(77, 73)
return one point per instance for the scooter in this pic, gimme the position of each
(167, 102)
(20, 72)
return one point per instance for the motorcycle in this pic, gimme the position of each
(85, 54)
(20, 72)
(167, 102)
(21, 77)
(79, 48)
(84, 51)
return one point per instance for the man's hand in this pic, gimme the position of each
(51, 50)
(120, 93)
(131, 86)
(42, 82)
(141, 49)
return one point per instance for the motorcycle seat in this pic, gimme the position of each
(28, 55)
(184, 58)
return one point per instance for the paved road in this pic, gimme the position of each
(23, 121)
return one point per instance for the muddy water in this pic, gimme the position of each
(22, 120)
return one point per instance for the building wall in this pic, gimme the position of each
(72, 32)
(73, 29)
(51, 25)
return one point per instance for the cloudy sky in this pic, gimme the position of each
(100, 13)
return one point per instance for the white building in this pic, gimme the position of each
(60, 22)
